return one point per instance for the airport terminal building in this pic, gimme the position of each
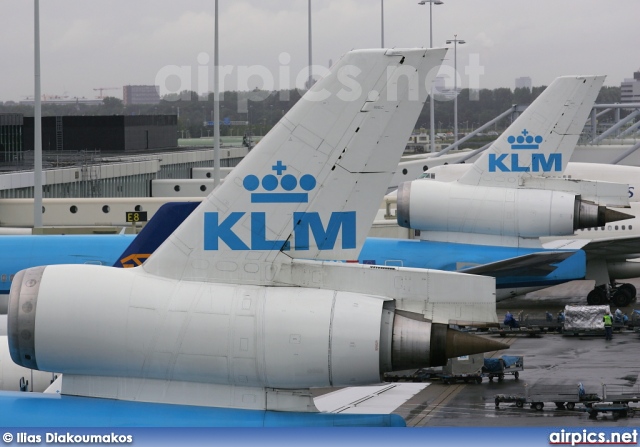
(98, 156)
(11, 140)
(116, 133)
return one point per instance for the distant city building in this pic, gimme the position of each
(523, 82)
(11, 136)
(140, 94)
(630, 89)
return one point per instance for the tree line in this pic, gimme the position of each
(257, 111)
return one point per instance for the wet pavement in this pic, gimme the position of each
(548, 359)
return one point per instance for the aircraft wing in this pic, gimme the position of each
(534, 264)
(613, 247)
(378, 399)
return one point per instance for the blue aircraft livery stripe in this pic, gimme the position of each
(20, 409)
(525, 146)
(25, 251)
(279, 197)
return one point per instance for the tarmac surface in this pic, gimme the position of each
(548, 359)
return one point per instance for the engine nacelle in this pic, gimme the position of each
(623, 269)
(100, 321)
(431, 205)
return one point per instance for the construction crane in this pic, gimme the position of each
(46, 97)
(104, 88)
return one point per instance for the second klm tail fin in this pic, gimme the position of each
(311, 188)
(541, 140)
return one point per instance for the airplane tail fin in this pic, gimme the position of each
(311, 188)
(541, 140)
(155, 232)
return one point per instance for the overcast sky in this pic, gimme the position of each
(87, 44)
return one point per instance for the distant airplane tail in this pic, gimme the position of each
(313, 188)
(168, 217)
(541, 140)
(500, 200)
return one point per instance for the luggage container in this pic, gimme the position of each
(584, 320)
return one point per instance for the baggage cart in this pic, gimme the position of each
(467, 369)
(620, 393)
(563, 396)
(617, 410)
(499, 367)
(503, 331)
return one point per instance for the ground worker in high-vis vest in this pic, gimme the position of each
(608, 325)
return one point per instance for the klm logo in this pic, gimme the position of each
(288, 183)
(280, 188)
(540, 162)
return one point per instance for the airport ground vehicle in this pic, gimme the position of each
(575, 320)
(528, 325)
(616, 399)
(617, 410)
(530, 331)
(467, 369)
(563, 396)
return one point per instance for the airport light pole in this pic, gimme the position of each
(381, 23)
(37, 123)
(432, 138)
(455, 41)
(310, 73)
(216, 105)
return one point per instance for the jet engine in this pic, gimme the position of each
(86, 320)
(431, 205)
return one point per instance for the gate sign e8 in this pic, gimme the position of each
(136, 216)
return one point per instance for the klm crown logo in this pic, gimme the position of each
(536, 162)
(286, 182)
(308, 226)
(525, 141)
